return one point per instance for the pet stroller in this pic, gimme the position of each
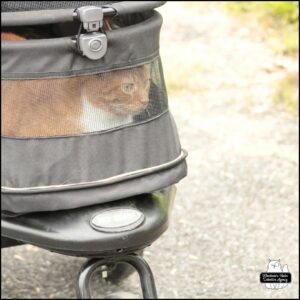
(90, 152)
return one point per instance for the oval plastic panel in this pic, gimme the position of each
(117, 220)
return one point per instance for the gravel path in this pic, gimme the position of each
(238, 207)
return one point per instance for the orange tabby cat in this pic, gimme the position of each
(68, 106)
(9, 36)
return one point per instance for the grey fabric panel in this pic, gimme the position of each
(72, 199)
(58, 57)
(71, 160)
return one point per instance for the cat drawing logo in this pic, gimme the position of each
(277, 276)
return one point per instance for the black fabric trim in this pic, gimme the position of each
(104, 182)
(89, 71)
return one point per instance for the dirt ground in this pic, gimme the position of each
(238, 207)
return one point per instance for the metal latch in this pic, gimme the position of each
(94, 43)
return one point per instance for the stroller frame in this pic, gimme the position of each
(136, 261)
(103, 250)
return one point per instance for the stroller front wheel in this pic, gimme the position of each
(139, 264)
(121, 271)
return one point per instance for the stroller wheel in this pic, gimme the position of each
(140, 265)
(121, 271)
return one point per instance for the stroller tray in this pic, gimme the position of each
(71, 232)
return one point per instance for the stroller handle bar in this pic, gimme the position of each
(43, 17)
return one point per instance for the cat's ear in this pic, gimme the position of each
(148, 68)
(285, 268)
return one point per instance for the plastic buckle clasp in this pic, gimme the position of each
(92, 44)
(91, 17)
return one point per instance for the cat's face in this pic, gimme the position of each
(274, 266)
(122, 92)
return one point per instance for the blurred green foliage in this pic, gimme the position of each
(280, 11)
(282, 16)
(287, 93)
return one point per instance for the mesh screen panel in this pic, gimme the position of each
(7, 6)
(83, 104)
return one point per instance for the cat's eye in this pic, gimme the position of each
(127, 87)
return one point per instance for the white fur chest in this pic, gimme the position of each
(95, 119)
